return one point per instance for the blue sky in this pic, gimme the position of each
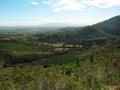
(36, 12)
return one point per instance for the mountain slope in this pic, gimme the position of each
(111, 26)
(89, 32)
(103, 30)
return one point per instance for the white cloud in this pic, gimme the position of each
(34, 3)
(67, 5)
(63, 2)
(72, 5)
(47, 2)
(102, 3)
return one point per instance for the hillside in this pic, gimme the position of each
(103, 30)
(95, 69)
(111, 26)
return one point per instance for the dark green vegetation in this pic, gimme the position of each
(111, 26)
(86, 58)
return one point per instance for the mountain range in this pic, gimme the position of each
(110, 26)
(104, 30)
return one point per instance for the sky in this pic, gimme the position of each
(38, 12)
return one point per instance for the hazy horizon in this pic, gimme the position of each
(39, 12)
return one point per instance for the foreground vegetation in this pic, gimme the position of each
(96, 68)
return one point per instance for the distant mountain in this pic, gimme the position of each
(60, 25)
(107, 29)
(111, 26)
(103, 30)
(89, 32)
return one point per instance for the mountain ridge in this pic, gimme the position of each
(107, 29)
(111, 26)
